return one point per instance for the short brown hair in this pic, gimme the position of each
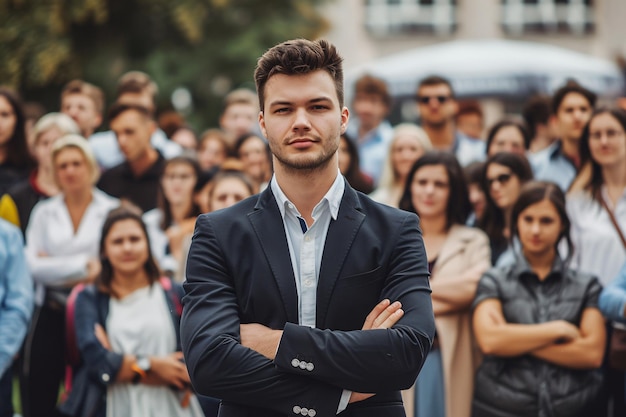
(81, 87)
(136, 82)
(469, 107)
(119, 108)
(435, 80)
(239, 96)
(373, 86)
(299, 56)
(572, 86)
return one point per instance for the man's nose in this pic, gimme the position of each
(301, 119)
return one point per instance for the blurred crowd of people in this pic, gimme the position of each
(522, 226)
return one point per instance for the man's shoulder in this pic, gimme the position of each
(115, 172)
(545, 156)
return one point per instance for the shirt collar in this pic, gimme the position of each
(522, 267)
(333, 196)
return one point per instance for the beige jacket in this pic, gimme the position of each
(465, 255)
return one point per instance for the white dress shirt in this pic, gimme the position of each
(56, 253)
(306, 246)
(158, 240)
(598, 249)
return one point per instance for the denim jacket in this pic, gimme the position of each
(99, 366)
(16, 293)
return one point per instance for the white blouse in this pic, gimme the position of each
(57, 254)
(140, 324)
(159, 241)
(597, 247)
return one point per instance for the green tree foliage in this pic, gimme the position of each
(207, 46)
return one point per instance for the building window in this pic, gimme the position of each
(547, 16)
(390, 17)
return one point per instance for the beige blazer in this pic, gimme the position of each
(465, 253)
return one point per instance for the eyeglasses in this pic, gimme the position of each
(501, 179)
(426, 99)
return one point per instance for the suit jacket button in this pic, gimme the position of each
(310, 366)
(296, 409)
(302, 365)
(105, 377)
(304, 411)
(295, 363)
(312, 412)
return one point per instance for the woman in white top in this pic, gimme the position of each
(597, 246)
(62, 250)
(175, 216)
(407, 144)
(127, 333)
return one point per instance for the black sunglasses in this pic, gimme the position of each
(426, 99)
(502, 179)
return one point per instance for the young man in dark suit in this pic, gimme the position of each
(309, 299)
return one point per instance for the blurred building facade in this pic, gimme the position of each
(366, 30)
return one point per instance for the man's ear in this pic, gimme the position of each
(262, 123)
(455, 106)
(97, 122)
(153, 127)
(345, 116)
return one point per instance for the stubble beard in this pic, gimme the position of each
(307, 166)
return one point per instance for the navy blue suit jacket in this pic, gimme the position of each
(239, 271)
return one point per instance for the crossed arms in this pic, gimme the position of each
(222, 364)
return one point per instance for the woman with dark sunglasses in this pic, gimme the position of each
(503, 176)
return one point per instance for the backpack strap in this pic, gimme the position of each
(72, 354)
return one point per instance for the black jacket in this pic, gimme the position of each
(524, 385)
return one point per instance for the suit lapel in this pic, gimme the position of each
(341, 235)
(268, 225)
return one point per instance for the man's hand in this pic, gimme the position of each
(168, 370)
(384, 315)
(260, 339)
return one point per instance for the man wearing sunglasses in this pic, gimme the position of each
(437, 108)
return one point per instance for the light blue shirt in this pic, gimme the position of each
(373, 147)
(468, 150)
(108, 154)
(306, 245)
(613, 297)
(551, 164)
(16, 293)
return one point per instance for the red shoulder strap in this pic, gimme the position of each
(166, 283)
(71, 349)
(72, 354)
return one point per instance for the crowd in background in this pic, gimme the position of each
(522, 227)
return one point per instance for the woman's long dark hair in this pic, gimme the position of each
(18, 155)
(493, 220)
(126, 211)
(458, 207)
(162, 202)
(595, 182)
(534, 192)
(354, 176)
(519, 125)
